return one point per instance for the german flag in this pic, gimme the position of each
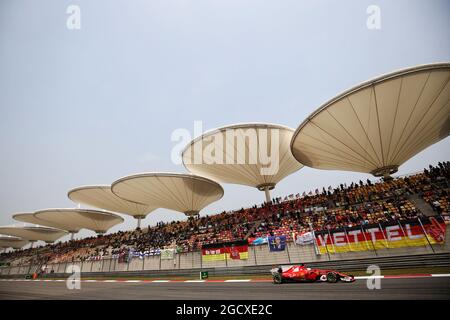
(236, 250)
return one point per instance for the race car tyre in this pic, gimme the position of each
(277, 279)
(332, 277)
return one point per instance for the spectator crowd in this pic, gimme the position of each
(343, 206)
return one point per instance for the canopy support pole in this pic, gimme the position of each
(139, 223)
(267, 192)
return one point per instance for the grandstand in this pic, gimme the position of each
(358, 130)
(356, 204)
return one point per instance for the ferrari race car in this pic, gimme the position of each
(301, 273)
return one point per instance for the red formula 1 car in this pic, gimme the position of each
(301, 273)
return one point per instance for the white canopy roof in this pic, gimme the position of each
(12, 242)
(180, 192)
(251, 154)
(34, 233)
(75, 219)
(378, 125)
(30, 218)
(102, 197)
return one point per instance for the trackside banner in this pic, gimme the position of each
(408, 233)
(167, 254)
(236, 250)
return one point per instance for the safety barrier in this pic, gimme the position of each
(257, 256)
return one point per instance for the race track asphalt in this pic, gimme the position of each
(408, 288)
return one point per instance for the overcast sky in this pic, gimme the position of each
(91, 105)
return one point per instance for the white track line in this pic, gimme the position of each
(238, 280)
(369, 277)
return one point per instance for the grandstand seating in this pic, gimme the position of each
(345, 205)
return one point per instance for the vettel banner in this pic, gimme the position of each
(237, 250)
(408, 233)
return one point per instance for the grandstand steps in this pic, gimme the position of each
(422, 205)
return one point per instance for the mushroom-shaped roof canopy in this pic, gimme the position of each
(75, 219)
(179, 192)
(251, 154)
(29, 217)
(378, 125)
(102, 197)
(32, 218)
(48, 235)
(12, 242)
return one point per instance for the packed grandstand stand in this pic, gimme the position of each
(343, 206)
